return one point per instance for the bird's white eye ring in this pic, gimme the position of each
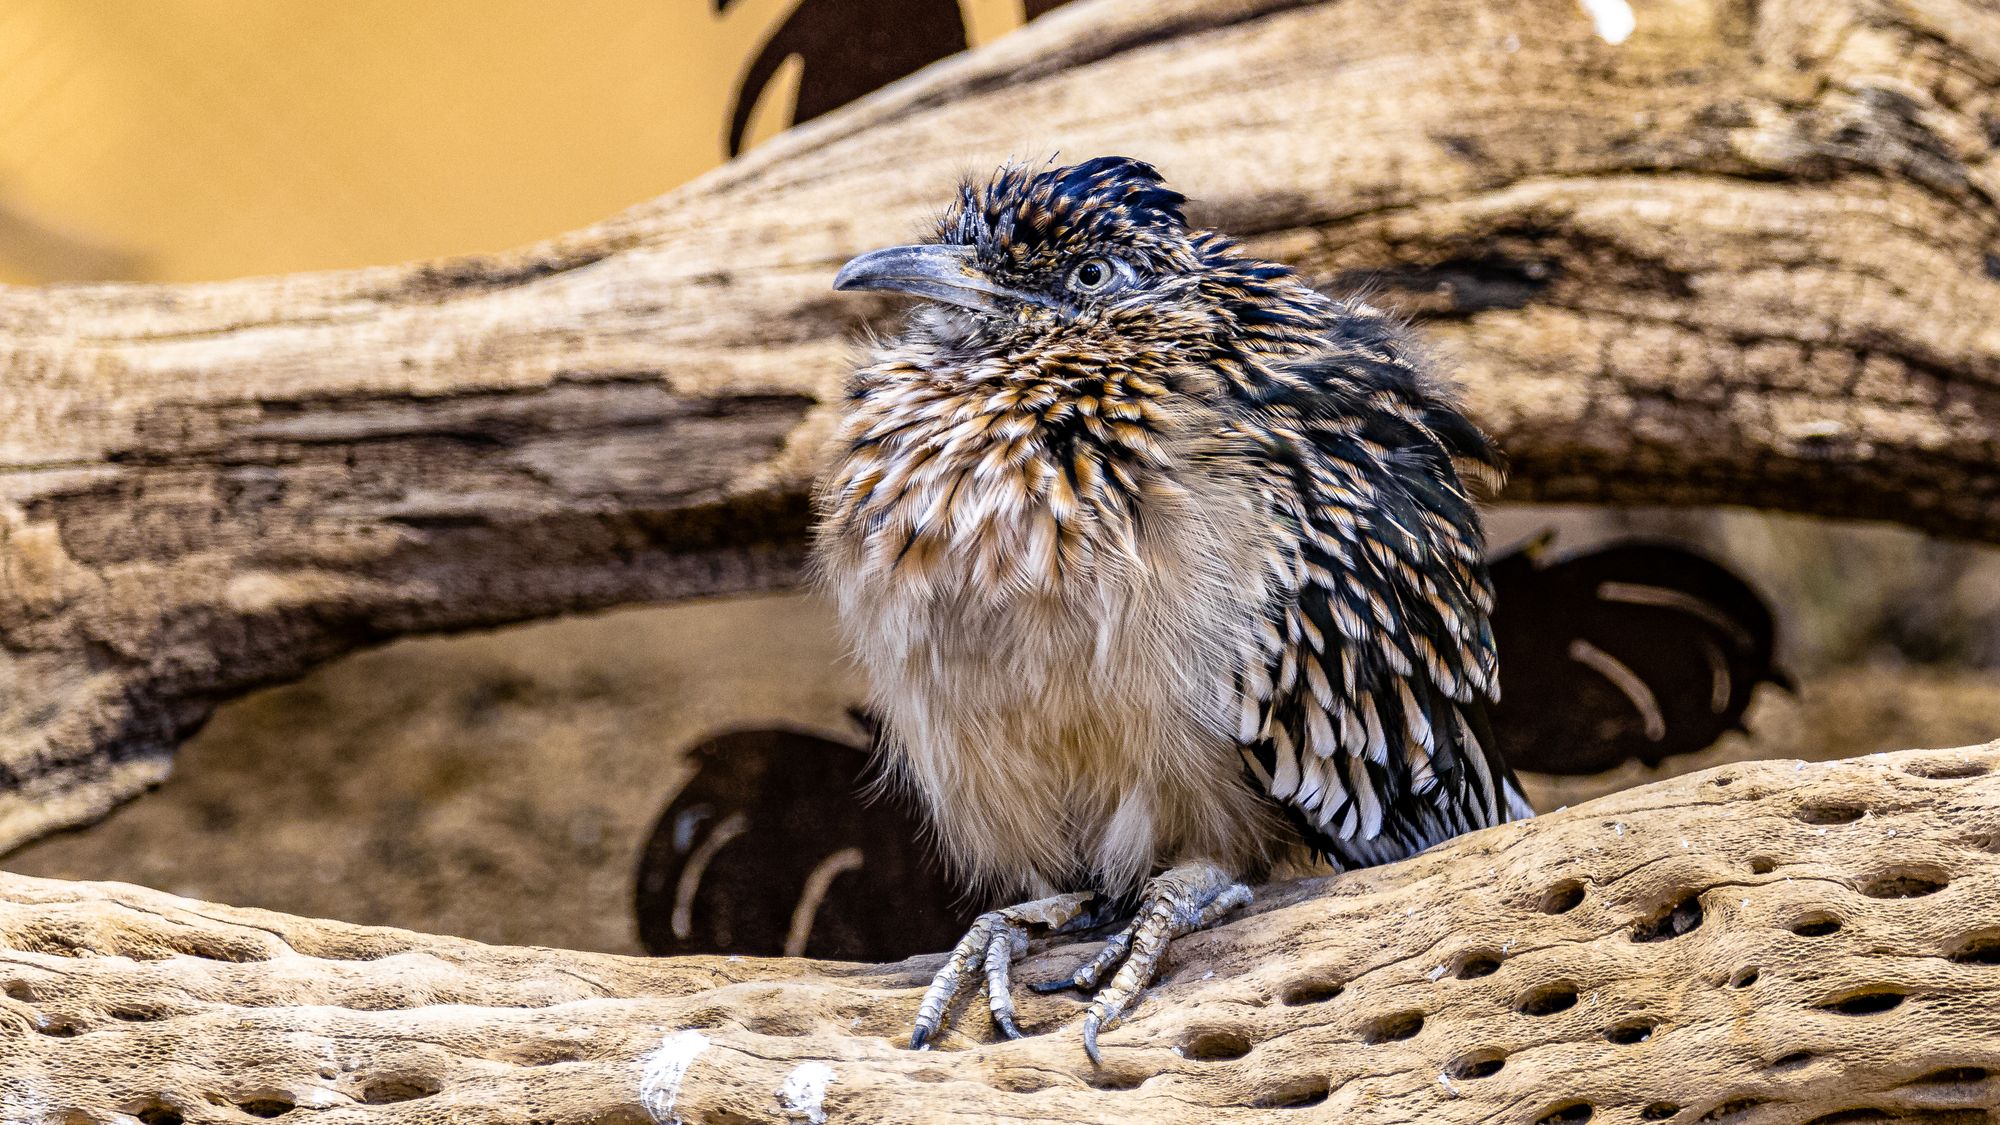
(1099, 275)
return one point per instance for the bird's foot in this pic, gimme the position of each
(1178, 901)
(991, 946)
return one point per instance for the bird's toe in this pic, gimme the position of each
(989, 949)
(1006, 944)
(1177, 903)
(1005, 1022)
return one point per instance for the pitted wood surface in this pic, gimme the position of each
(1748, 255)
(1772, 942)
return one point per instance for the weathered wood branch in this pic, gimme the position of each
(1749, 255)
(1765, 943)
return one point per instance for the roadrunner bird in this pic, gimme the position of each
(1163, 568)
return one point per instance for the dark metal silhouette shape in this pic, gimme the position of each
(1639, 651)
(850, 48)
(773, 844)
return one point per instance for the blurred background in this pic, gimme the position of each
(536, 785)
(186, 140)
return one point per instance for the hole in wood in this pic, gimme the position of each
(1293, 1093)
(58, 1027)
(1109, 1078)
(1478, 964)
(216, 947)
(1792, 1061)
(1477, 1064)
(1815, 925)
(1978, 949)
(1659, 1111)
(155, 1112)
(708, 1017)
(401, 1088)
(1215, 1045)
(1563, 897)
(1947, 769)
(1831, 813)
(1871, 1002)
(1744, 977)
(1681, 917)
(1985, 841)
(1905, 883)
(1732, 1108)
(266, 1107)
(1952, 1076)
(1546, 1000)
(1627, 1032)
(1566, 1113)
(1762, 865)
(1389, 1028)
(1309, 991)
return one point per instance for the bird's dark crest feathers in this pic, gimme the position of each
(1025, 218)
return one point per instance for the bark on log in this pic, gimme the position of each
(1764, 943)
(1748, 255)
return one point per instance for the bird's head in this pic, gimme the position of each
(1099, 248)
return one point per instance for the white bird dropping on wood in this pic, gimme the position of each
(662, 1071)
(804, 1092)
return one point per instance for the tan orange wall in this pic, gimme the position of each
(187, 139)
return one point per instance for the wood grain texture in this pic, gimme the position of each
(1750, 255)
(1766, 943)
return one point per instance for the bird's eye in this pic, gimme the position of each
(1100, 275)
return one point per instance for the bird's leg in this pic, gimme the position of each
(991, 946)
(1178, 901)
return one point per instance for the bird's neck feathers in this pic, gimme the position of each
(1264, 314)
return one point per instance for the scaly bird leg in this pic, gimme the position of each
(1178, 901)
(991, 946)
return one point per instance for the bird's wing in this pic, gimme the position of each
(1364, 715)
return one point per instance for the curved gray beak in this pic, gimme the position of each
(948, 274)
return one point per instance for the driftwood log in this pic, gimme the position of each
(1764, 944)
(1747, 255)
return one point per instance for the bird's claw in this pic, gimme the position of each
(1178, 902)
(1181, 901)
(990, 948)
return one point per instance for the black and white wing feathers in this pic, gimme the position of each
(1364, 712)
